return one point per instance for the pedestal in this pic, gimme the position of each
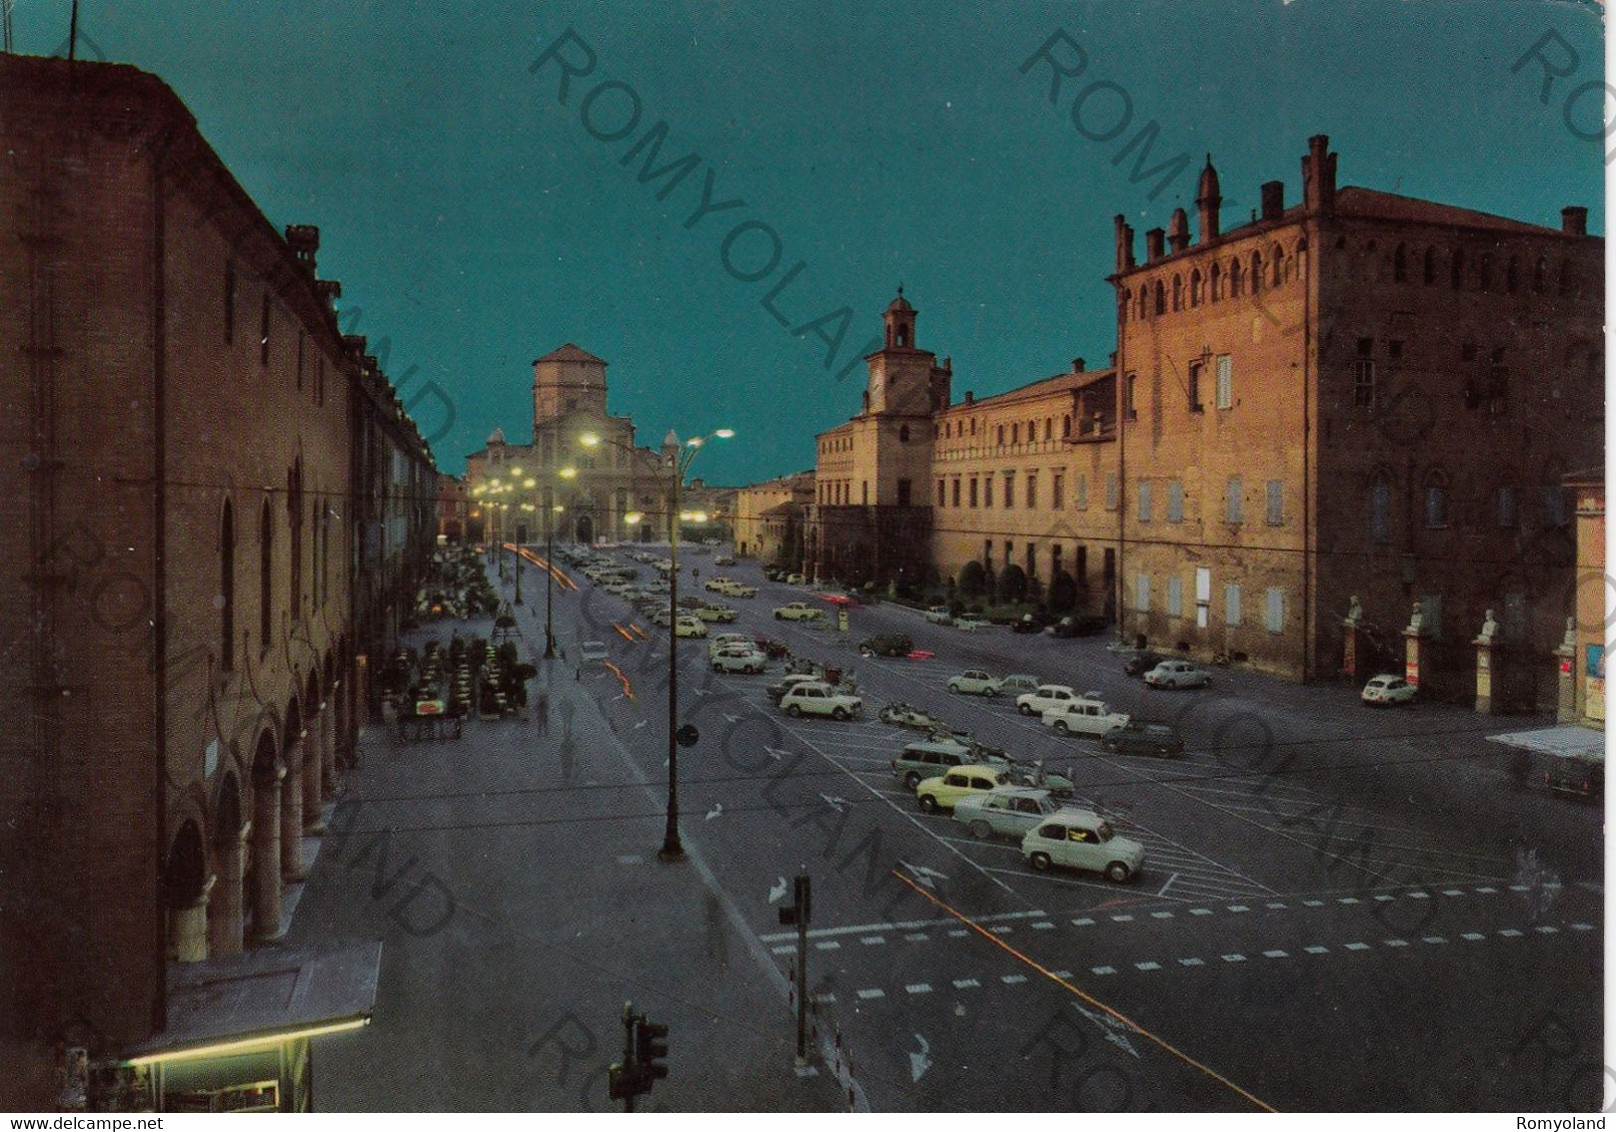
(225, 916)
(188, 927)
(266, 844)
(1487, 656)
(292, 813)
(1349, 653)
(1411, 656)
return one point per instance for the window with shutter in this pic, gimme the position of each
(1144, 501)
(1231, 605)
(1276, 503)
(1175, 501)
(1142, 593)
(1175, 596)
(1225, 382)
(1276, 611)
(1234, 503)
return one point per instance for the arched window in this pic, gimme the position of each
(1485, 271)
(1217, 282)
(903, 434)
(1235, 283)
(1066, 425)
(1161, 298)
(1178, 293)
(266, 559)
(294, 520)
(1512, 275)
(227, 588)
(1256, 272)
(1195, 288)
(1540, 274)
(1430, 266)
(1400, 264)
(1436, 500)
(1380, 508)
(1124, 304)
(1279, 265)
(1456, 270)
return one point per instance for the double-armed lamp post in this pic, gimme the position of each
(683, 455)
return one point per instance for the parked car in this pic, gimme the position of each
(722, 641)
(1386, 690)
(1030, 623)
(1177, 674)
(1140, 663)
(1143, 737)
(1085, 625)
(723, 560)
(971, 622)
(1008, 811)
(773, 573)
(739, 659)
(942, 793)
(819, 699)
(772, 648)
(798, 611)
(1085, 715)
(1081, 839)
(920, 761)
(974, 682)
(886, 644)
(688, 626)
(591, 651)
(720, 613)
(790, 680)
(717, 585)
(1017, 682)
(1043, 698)
(939, 615)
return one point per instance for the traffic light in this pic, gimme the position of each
(650, 1043)
(624, 1082)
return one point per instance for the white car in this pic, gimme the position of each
(974, 682)
(736, 659)
(723, 560)
(1081, 839)
(727, 641)
(1177, 674)
(1085, 715)
(724, 613)
(970, 623)
(939, 615)
(1387, 689)
(798, 611)
(688, 626)
(819, 699)
(718, 585)
(1044, 698)
(796, 580)
(591, 651)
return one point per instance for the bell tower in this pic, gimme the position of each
(567, 381)
(903, 377)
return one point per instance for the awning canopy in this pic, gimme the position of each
(1571, 742)
(265, 996)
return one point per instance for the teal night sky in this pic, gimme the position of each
(477, 224)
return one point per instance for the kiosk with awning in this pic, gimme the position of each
(1562, 760)
(240, 1027)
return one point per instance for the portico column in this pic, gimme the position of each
(328, 763)
(1566, 654)
(188, 927)
(225, 916)
(292, 811)
(1412, 635)
(313, 774)
(267, 856)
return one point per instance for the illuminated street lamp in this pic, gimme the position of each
(679, 467)
(567, 473)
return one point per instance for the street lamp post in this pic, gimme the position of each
(672, 850)
(550, 512)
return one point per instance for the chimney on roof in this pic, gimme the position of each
(304, 240)
(1077, 365)
(1113, 359)
(1153, 245)
(1208, 199)
(1273, 200)
(1574, 220)
(1125, 258)
(970, 397)
(1178, 231)
(1318, 175)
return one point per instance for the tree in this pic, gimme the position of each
(1062, 592)
(1012, 583)
(972, 579)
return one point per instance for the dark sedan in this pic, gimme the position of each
(1142, 662)
(1141, 737)
(1085, 626)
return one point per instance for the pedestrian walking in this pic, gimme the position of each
(541, 712)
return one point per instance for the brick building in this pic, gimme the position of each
(1360, 395)
(454, 507)
(184, 639)
(771, 519)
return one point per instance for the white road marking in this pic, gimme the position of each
(1509, 933)
(965, 984)
(1234, 957)
(1012, 980)
(1161, 915)
(829, 944)
(918, 988)
(1121, 919)
(1315, 949)
(1193, 962)
(872, 992)
(872, 940)
(1582, 927)
(1103, 970)
(1547, 929)
(1472, 936)
(1433, 939)
(1395, 942)
(1147, 965)
(1042, 925)
(1238, 908)
(1357, 947)
(1200, 911)
(1275, 954)
(1082, 923)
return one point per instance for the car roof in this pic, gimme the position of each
(938, 747)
